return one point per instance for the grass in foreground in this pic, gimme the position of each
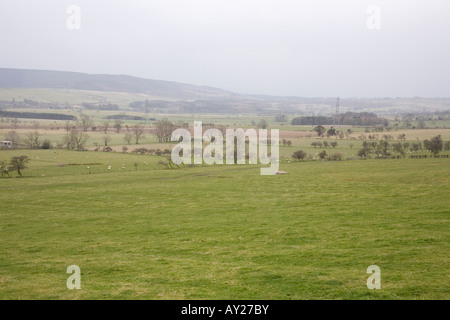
(225, 232)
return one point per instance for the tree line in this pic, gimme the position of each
(348, 118)
(385, 148)
(380, 149)
(36, 115)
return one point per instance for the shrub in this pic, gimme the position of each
(140, 150)
(447, 146)
(46, 144)
(363, 153)
(337, 156)
(299, 155)
(323, 154)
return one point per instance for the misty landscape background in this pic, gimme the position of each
(309, 49)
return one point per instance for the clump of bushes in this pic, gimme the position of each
(322, 154)
(46, 144)
(140, 150)
(336, 156)
(299, 155)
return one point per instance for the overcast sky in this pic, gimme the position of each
(347, 48)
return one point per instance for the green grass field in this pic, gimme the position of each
(74, 96)
(223, 232)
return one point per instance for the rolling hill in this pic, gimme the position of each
(28, 79)
(129, 92)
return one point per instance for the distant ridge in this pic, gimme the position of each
(28, 79)
(175, 97)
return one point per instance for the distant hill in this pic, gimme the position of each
(175, 97)
(27, 79)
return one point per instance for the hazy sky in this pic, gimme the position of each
(347, 48)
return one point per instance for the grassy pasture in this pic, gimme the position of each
(223, 232)
(300, 136)
(348, 148)
(73, 96)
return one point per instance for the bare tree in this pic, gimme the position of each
(262, 124)
(85, 121)
(32, 140)
(138, 132)
(164, 129)
(105, 126)
(106, 140)
(128, 137)
(68, 125)
(15, 122)
(13, 136)
(75, 140)
(118, 125)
